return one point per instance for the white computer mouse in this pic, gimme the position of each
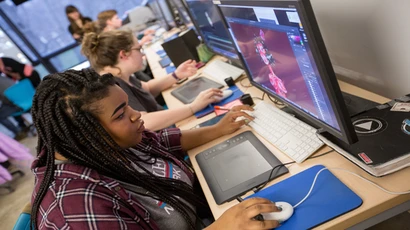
(281, 216)
(226, 93)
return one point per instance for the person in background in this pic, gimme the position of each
(98, 168)
(77, 22)
(108, 20)
(19, 71)
(119, 53)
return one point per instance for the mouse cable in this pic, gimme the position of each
(357, 175)
(255, 190)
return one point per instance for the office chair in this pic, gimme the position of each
(21, 95)
(23, 222)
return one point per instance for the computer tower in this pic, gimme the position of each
(182, 47)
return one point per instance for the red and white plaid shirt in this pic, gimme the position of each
(81, 198)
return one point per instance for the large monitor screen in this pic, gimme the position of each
(207, 20)
(277, 55)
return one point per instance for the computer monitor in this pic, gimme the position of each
(162, 13)
(179, 5)
(154, 6)
(207, 20)
(167, 13)
(284, 55)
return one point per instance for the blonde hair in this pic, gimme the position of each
(103, 49)
(103, 17)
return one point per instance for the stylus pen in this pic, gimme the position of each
(221, 108)
(257, 217)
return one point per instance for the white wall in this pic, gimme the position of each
(368, 42)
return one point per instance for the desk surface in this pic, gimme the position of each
(375, 201)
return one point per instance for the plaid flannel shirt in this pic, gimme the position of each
(81, 198)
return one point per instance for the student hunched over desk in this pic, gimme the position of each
(95, 159)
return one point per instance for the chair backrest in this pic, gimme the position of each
(21, 94)
(23, 222)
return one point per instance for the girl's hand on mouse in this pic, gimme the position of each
(228, 124)
(241, 216)
(205, 98)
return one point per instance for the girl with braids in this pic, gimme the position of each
(97, 168)
(118, 52)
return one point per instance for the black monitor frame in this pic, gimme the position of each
(156, 9)
(320, 56)
(170, 24)
(178, 4)
(233, 61)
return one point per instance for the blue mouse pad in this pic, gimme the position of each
(236, 93)
(329, 199)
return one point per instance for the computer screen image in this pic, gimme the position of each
(206, 18)
(285, 58)
(273, 65)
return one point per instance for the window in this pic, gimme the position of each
(45, 24)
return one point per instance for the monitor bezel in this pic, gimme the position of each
(162, 21)
(235, 61)
(168, 8)
(320, 56)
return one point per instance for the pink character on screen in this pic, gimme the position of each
(268, 59)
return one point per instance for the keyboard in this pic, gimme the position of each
(293, 137)
(220, 70)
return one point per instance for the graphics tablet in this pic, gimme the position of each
(237, 165)
(188, 92)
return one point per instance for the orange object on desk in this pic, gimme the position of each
(227, 106)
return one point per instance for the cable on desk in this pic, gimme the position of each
(355, 174)
(270, 175)
(320, 155)
(245, 86)
(255, 190)
(263, 96)
(276, 102)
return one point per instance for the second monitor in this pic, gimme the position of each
(209, 25)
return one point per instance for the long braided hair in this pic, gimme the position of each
(66, 125)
